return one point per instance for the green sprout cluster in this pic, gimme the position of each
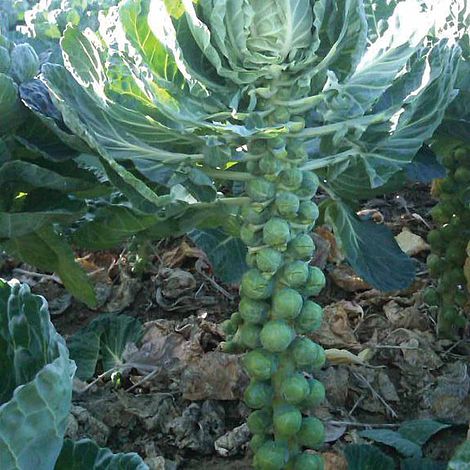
(275, 311)
(449, 242)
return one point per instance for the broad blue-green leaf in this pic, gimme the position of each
(111, 226)
(379, 66)
(21, 223)
(104, 339)
(24, 62)
(48, 251)
(365, 457)
(393, 439)
(87, 455)
(26, 176)
(387, 149)
(425, 167)
(11, 111)
(370, 249)
(36, 378)
(225, 252)
(420, 431)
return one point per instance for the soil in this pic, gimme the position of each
(385, 363)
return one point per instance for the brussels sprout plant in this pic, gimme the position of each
(246, 108)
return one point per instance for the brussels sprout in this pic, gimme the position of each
(253, 168)
(255, 286)
(4, 60)
(291, 179)
(236, 318)
(250, 259)
(308, 212)
(287, 420)
(249, 335)
(462, 175)
(286, 304)
(258, 395)
(257, 442)
(305, 352)
(276, 335)
(229, 327)
(252, 215)
(435, 264)
(260, 190)
(24, 63)
(439, 214)
(230, 347)
(259, 364)
(312, 433)
(315, 395)
(276, 142)
(301, 247)
(310, 318)
(259, 421)
(296, 124)
(295, 389)
(435, 239)
(307, 461)
(270, 165)
(271, 456)
(281, 114)
(280, 152)
(315, 283)
(295, 274)
(250, 236)
(253, 311)
(309, 186)
(456, 252)
(276, 232)
(287, 204)
(269, 260)
(461, 298)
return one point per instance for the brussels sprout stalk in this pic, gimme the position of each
(449, 245)
(275, 311)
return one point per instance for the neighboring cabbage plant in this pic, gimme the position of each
(274, 100)
(36, 376)
(35, 398)
(448, 262)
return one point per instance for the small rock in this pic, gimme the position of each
(411, 243)
(231, 443)
(160, 463)
(344, 276)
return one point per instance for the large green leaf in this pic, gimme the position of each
(394, 439)
(365, 457)
(48, 251)
(420, 431)
(36, 376)
(225, 251)
(87, 455)
(104, 339)
(370, 249)
(11, 111)
(111, 226)
(25, 176)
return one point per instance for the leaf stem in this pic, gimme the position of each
(228, 175)
(337, 126)
(330, 160)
